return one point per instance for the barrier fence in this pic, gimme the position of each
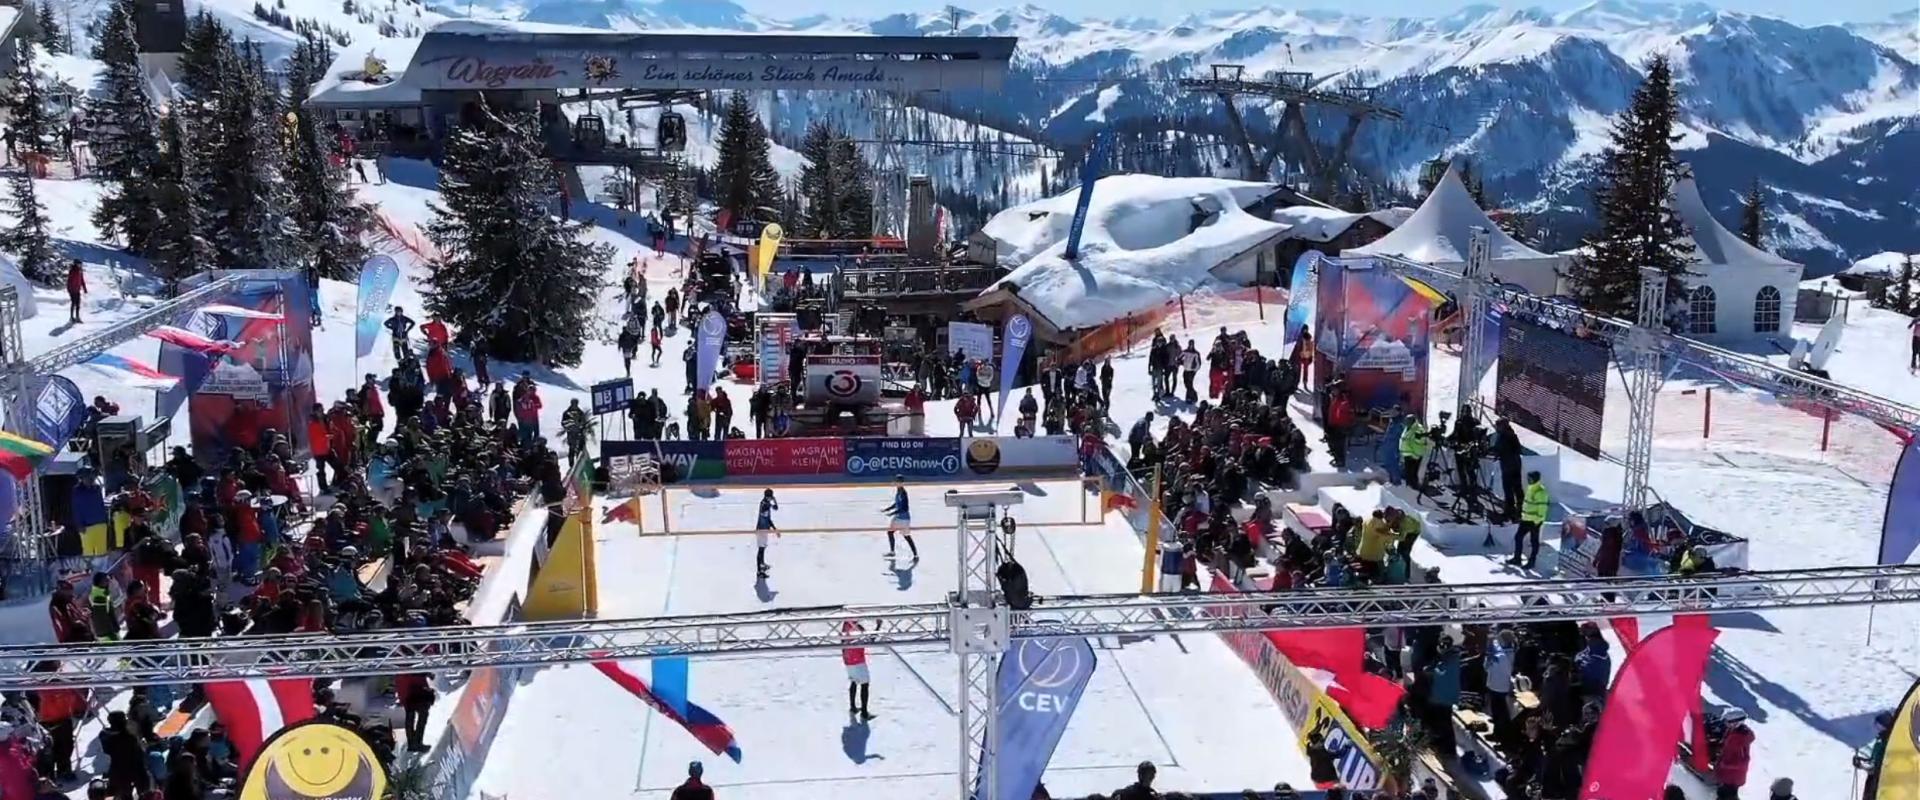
(1742, 426)
(1191, 311)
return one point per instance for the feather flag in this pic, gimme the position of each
(126, 371)
(257, 708)
(193, 341)
(19, 456)
(704, 726)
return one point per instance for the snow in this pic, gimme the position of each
(1880, 264)
(346, 81)
(1104, 101)
(1139, 248)
(1185, 703)
(1321, 224)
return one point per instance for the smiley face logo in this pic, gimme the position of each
(315, 761)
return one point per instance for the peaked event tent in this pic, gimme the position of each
(1736, 290)
(1440, 231)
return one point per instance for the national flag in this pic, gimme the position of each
(704, 726)
(128, 372)
(19, 456)
(257, 708)
(193, 341)
(1120, 501)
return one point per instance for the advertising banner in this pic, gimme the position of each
(264, 382)
(775, 335)
(1328, 727)
(377, 278)
(1013, 347)
(1301, 297)
(1899, 765)
(1089, 174)
(853, 380)
(765, 250)
(58, 411)
(971, 338)
(1900, 526)
(785, 457)
(1652, 697)
(914, 458)
(986, 455)
(288, 766)
(710, 337)
(1374, 335)
(1552, 383)
(610, 397)
(689, 461)
(1040, 684)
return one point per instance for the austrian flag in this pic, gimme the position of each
(257, 708)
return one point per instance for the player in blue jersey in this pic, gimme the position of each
(761, 527)
(900, 518)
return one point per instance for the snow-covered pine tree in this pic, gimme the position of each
(29, 238)
(179, 248)
(1635, 181)
(28, 116)
(748, 185)
(53, 35)
(856, 189)
(1898, 295)
(126, 142)
(819, 184)
(509, 270)
(203, 60)
(329, 220)
(247, 200)
(1753, 215)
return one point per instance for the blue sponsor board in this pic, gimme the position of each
(918, 458)
(683, 460)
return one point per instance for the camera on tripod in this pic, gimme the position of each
(1454, 467)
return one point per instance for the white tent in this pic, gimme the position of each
(10, 275)
(1736, 290)
(1439, 232)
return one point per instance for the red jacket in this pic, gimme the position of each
(317, 436)
(76, 280)
(344, 434)
(247, 525)
(1340, 415)
(370, 401)
(71, 621)
(1736, 752)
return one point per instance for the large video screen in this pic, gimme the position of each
(1552, 383)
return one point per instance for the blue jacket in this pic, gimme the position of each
(89, 504)
(899, 507)
(1595, 665)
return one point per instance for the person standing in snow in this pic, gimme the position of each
(693, 789)
(573, 422)
(900, 518)
(673, 307)
(761, 527)
(1106, 383)
(629, 342)
(653, 343)
(1736, 754)
(1913, 330)
(77, 286)
(859, 680)
(526, 413)
(399, 325)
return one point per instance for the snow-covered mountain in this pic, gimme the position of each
(1825, 116)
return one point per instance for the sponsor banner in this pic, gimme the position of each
(312, 760)
(378, 276)
(1019, 331)
(1040, 683)
(709, 337)
(843, 379)
(457, 63)
(611, 397)
(917, 458)
(58, 411)
(785, 456)
(1373, 332)
(986, 455)
(775, 335)
(1329, 727)
(689, 461)
(1089, 173)
(972, 338)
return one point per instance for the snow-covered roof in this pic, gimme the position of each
(348, 81)
(8, 16)
(1714, 245)
(1879, 264)
(1438, 232)
(1139, 250)
(1830, 285)
(1322, 224)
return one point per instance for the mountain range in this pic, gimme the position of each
(1826, 118)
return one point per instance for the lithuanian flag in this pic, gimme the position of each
(20, 455)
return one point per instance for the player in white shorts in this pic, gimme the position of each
(855, 658)
(761, 527)
(900, 517)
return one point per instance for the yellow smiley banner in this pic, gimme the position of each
(315, 761)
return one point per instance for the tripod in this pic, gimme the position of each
(1466, 488)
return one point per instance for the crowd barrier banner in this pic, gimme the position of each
(690, 460)
(986, 455)
(914, 458)
(786, 457)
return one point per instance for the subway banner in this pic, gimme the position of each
(872, 458)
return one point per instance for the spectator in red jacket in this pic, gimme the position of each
(71, 622)
(76, 286)
(343, 436)
(1736, 753)
(318, 440)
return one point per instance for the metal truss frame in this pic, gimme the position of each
(552, 643)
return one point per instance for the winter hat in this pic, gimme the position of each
(1782, 789)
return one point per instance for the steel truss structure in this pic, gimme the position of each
(552, 643)
(1641, 347)
(1295, 91)
(20, 378)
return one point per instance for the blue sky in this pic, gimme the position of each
(1799, 11)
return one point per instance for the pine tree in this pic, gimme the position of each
(1753, 215)
(52, 35)
(28, 116)
(126, 145)
(748, 185)
(247, 200)
(204, 56)
(179, 248)
(509, 270)
(1901, 296)
(1638, 225)
(819, 186)
(329, 221)
(28, 239)
(856, 198)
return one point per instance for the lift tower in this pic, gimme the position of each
(1295, 91)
